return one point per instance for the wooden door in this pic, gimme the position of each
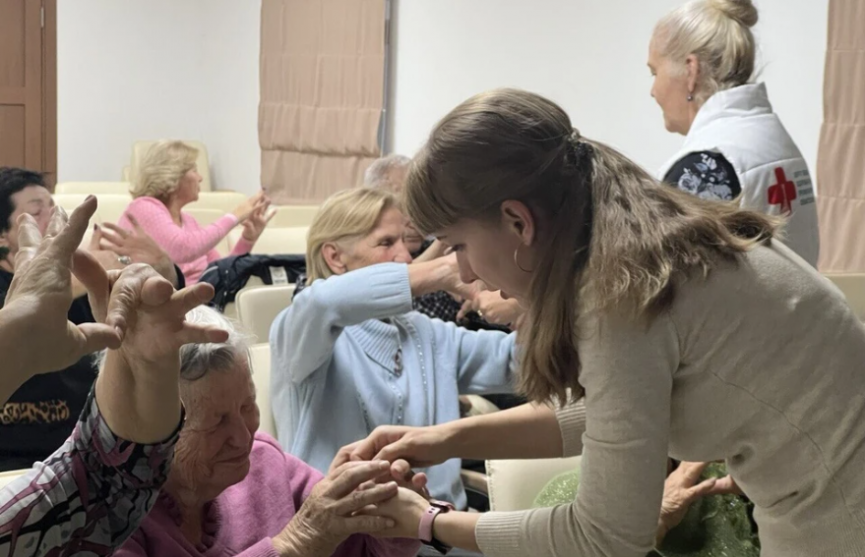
(28, 127)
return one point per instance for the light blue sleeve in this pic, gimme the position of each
(485, 360)
(302, 337)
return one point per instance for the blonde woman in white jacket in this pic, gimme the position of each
(702, 58)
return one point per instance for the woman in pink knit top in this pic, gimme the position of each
(234, 491)
(168, 181)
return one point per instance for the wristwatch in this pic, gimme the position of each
(425, 529)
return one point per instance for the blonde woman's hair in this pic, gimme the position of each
(609, 235)
(718, 33)
(162, 168)
(345, 216)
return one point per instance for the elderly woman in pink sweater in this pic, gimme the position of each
(168, 181)
(233, 491)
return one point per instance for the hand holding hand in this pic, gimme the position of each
(330, 513)
(405, 511)
(418, 446)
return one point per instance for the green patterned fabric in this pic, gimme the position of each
(716, 526)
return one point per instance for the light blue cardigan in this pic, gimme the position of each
(333, 377)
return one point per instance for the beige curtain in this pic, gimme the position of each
(841, 158)
(322, 90)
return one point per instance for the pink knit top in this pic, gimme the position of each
(243, 520)
(190, 246)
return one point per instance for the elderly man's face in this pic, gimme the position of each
(222, 418)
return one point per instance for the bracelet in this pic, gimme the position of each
(425, 528)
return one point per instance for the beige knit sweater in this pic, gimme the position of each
(762, 365)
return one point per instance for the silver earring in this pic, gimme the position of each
(690, 97)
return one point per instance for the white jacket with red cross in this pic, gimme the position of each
(739, 124)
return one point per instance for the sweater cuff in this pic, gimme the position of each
(572, 422)
(242, 247)
(264, 548)
(499, 534)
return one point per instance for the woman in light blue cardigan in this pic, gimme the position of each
(349, 354)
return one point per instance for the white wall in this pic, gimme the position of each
(147, 69)
(230, 54)
(588, 55)
(142, 69)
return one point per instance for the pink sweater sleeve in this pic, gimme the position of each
(182, 243)
(242, 247)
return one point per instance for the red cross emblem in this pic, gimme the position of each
(783, 193)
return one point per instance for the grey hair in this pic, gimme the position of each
(378, 173)
(197, 360)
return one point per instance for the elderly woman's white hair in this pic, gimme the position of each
(197, 360)
(719, 33)
(380, 172)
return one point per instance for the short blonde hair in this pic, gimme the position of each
(162, 168)
(345, 216)
(718, 32)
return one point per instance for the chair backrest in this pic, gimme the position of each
(515, 484)
(259, 361)
(276, 240)
(139, 149)
(225, 201)
(110, 205)
(94, 188)
(289, 216)
(853, 287)
(9, 476)
(257, 307)
(204, 216)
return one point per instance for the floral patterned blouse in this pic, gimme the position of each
(706, 174)
(88, 497)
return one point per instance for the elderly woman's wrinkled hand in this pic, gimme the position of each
(491, 307)
(330, 513)
(453, 284)
(682, 488)
(151, 313)
(41, 292)
(401, 472)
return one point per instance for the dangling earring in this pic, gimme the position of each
(517, 261)
(690, 97)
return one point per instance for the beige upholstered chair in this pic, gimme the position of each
(111, 205)
(853, 287)
(259, 361)
(139, 148)
(225, 201)
(289, 216)
(514, 484)
(276, 240)
(94, 188)
(258, 307)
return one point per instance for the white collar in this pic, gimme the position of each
(744, 100)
